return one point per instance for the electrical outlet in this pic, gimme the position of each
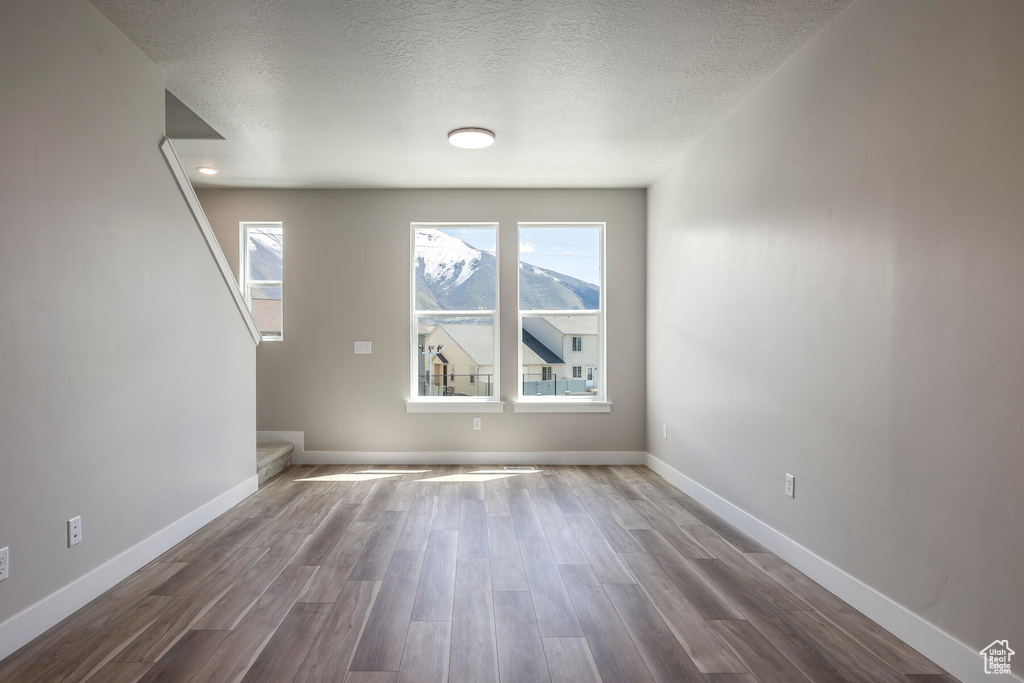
(364, 347)
(477, 423)
(664, 431)
(74, 531)
(5, 567)
(790, 485)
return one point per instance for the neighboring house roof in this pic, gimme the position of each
(573, 324)
(536, 353)
(476, 340)
(266, 313)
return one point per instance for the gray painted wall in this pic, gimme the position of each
(347, 278)
(835, 279)
(127, 383)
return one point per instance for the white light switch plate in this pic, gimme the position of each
(4, 568)
(790, 485)
(364, 347)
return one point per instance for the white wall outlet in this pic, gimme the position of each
(790, 485)
(74, 531)
(664, 431)
(5, 567)
(477, 423)
(364, 347)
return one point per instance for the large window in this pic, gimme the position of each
(561, 312)
(454, 311)
(262, 276)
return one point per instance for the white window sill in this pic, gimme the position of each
(561, 406)
(454, 406)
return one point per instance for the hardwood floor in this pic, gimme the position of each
(455, 573)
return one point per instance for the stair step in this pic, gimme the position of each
(272, 458)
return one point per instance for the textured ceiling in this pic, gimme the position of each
(326, 93)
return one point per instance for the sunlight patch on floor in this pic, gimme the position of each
(354, 476)
(457, 478)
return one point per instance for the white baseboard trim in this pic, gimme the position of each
(951, 654)
(26, 625)
(296, 439)
(470, 458)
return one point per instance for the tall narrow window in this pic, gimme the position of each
(454, 311)
(561, 312)
(262, 276)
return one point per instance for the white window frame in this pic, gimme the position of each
(577, 347)
(453, 404)
(598, 403)
(245, 284)
(577, 372)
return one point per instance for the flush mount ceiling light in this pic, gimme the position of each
(471, 138)
(207, 170)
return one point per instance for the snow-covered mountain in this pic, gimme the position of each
(264, 256)
(454, 275)
(451, 274)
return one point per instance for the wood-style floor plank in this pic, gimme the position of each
(122, 672)
(372, 677)
(555, 614)
(474, 655)
(602, 558)
(507, 571)
(373, 562)
(705, 646)
(666, 659)
(799, 647)
(186, 657)
(238, 651)
(614, 652)
(496, 498)
(416, 530)
(331, 652)
(37, 657)
(888, 647)
(322, 541)
(239, 599)
(524, 514)
(853, 656)
(435, 591)
(708, 601)
(680, 539)
(380, 648)
(570, 661)
(449, 508)
(179, 617)
(561, 539)
(100, 649)
(336, 568)
(287, 649)
(425, 658)
(751, 574)
(520, 651)
(565, 497)
(473, 528)
(617, 536)
(760, 656)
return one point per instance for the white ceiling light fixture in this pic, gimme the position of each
(208, 170)
(471, 138)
